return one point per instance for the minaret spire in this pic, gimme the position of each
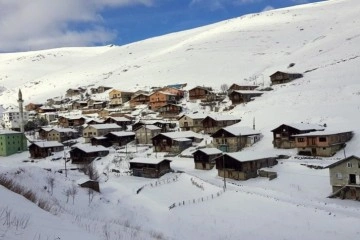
(21, 101)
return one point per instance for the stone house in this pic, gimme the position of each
(99, 130)
(213, 123)
(321, 143)
(283, 135)
(149, 167)
(234, 138)
(192, 122)
(44, 149)
(283, 77)
(204, 158)
(145, 133)
(345, 178)
(243, 165)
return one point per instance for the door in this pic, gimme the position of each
(352, 179)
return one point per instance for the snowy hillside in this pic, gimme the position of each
(321, 40)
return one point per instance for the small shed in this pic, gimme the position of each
(284, 77)
(149, 167)
(204, 158)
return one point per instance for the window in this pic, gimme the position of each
(349, 165)
(301, 140)
(322, 139)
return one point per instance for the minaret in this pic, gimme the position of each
(21, 101)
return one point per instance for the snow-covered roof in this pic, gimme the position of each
(5, 131)
(305, 126)
(46, 144)
(105, 126)
(147, 160)
(210, 151)
(320, 133)
(64, 130)
(90, 148)
(152, 127)
(182, 139)
(244, 92)
(223, 117)
(249, 156)
(195, 115)
(120, 119)
(240, 130)
(123, 133)
(185, 134)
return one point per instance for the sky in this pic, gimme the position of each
(27, 25)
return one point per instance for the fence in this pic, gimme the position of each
(159, 183)
(198, 200)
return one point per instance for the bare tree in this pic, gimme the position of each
(73, 192)
(224, 87)
(67, 193)
(51, 182)
(90, 194)
(92, 172)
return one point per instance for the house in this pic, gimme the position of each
(192, 122)
(12, 142)
(43, 132)
(238, 87)
(120, 138)
(140, 99)
(102, 141)
(283, 77)
(97, 104)
(71, 121)
(99, 130)
(46, 109)
(213, 123)
(234, 138)
(44, 149)
(84, 154)
(243, 165)
(242, 96)
(62, 134)
(123, 122)
(11, 119)
(76, 105)
(170, 110)
(176, 91)
(33, 107)
(149, 167)
(202, 93)
(99, 89)
(94, 121)
(145, 133)
(283, 134)
(160, 98)
(345, 178)
(175, 142)
(165, 125)
(321, 143)
(51, 117)
(204, 158)
(71, 92)
(118, 98)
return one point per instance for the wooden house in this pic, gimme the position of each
(33, 107)
(118, 98)
(169, 110)
(199, 92)
(243, 165)
(234, 138)
(149, 167)
(76, 105)
(123, 122)
(164, 125)
(345, 178)
(213, 123)
(204, 158)
(321, 143)
(120, 138)
(145, 133)
(283, 135)
(43, 132)
(102, 141)
(140, 99)
(44, 149)
(238, 87)
(71, 121)
(74, 91)
(175, 142)
(84, 154)
(160, 98)
(192, 122)
(241, 96)
(175, 91)
(97, 104)
(46, 109)
(283, 77)
(99, 130)
(99, 89)
(62, 134)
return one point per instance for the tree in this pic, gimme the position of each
(224, 87)
(73, 191)
(92, 172)
(51, 181)
(29, 126)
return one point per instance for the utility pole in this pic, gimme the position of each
(223, 158)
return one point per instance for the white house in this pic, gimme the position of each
(11, 118)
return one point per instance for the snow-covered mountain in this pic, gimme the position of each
(320, 40)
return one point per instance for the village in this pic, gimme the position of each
(80, 128)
